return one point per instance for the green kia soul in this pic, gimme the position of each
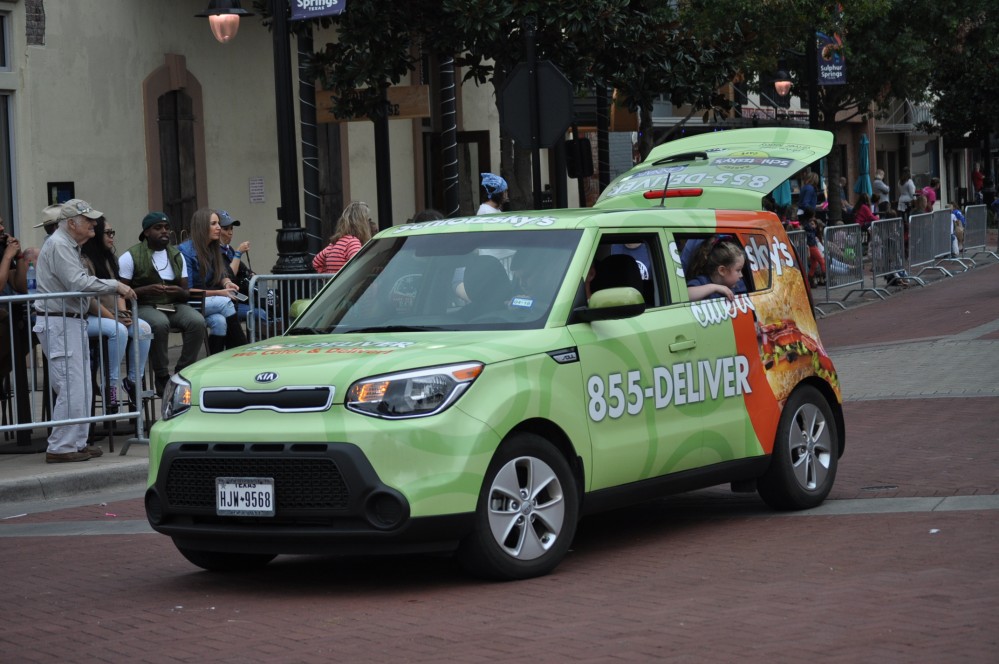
(478, 384)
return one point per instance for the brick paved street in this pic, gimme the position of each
(898, 566)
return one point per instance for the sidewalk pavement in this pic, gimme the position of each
(923, 343)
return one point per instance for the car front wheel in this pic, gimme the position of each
(805, 455)
(526, 514)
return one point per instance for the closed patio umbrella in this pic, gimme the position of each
(863, 185)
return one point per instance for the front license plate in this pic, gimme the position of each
(244, 496)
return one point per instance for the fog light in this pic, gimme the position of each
(384, 510)
(154, 507)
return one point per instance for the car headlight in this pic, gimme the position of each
(176, 397)
(412, 393)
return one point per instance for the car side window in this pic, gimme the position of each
(644, 271)
(692, 248)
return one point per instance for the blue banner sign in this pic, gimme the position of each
(303, 9)
(832, 63)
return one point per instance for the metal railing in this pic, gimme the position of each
(926, 243)
(28, 398)
(799, 241)
(886, 250)
(271, 297)
(843, 251)
(976, 233)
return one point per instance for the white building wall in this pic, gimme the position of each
(78, 116)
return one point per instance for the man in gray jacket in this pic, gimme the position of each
(61, 327)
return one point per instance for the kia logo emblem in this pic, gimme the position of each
(266, 377)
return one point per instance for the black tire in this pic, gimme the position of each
(805, 455)
(526, 514)
(222, 561)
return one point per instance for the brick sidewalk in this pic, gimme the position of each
(710, 576)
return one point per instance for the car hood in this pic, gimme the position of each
(341, 359)
(733, 169)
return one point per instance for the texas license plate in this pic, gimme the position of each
(244, 496)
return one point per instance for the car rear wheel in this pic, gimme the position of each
(805, 455)
(222, 561)
(526, 514)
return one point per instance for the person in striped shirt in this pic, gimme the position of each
(353, 230)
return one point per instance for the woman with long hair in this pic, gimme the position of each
(210, 276)
(353, 230)
(115, 319)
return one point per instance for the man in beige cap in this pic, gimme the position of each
(61, 327)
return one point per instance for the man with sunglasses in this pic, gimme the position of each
(61, 327)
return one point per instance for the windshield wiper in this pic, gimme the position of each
(394, 328)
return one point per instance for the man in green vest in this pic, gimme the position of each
(157, 272)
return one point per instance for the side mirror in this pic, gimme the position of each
(297, 307)
(611, 304)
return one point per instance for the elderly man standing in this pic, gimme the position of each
(62, 327)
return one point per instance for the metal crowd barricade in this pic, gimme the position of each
(886, 250)
(926, 243)
(942, 223)
(27, 395)
(976, 232)
(844, 255)
(271, 296)
(799, 241)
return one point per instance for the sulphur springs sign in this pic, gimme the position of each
(303, 9)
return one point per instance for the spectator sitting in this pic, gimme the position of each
(208, 273)
(862, 214)
(716, 270)
(158, 273)
(816, 260)
(114, 318)
(353, 230)
(238, 264)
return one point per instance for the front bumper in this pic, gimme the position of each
(328, 499)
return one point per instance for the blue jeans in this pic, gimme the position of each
(217, 309)
(118, 336)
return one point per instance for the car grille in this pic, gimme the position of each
(287, 400)
(299, 484)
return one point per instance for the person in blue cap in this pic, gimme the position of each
(496, 194)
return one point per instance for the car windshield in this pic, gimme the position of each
(494, 280)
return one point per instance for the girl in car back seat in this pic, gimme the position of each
(716, 270)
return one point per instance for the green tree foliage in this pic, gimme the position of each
(641, 47)
(963, 36)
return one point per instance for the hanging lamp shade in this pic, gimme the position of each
(782, 83)
(223, 18)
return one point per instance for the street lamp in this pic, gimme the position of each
(292, 241)
(782, 81)
(223, 18)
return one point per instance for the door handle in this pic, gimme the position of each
(677, 346)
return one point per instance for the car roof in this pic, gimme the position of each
(582, 218)
(732, 169)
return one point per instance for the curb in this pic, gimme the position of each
(47, 486)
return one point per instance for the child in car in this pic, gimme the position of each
(716, 270)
